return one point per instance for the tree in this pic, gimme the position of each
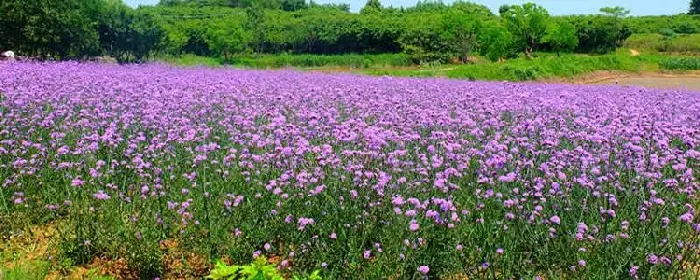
(694, 7)
(226, 37)
(293, 5)
(255, 25)
(496, 42)
(146, 36)
(461, 31)
(371, 7)
(503, 9)
(49, 28)
(561, 36)
(599, 33)
(528, 23)
(616, 11)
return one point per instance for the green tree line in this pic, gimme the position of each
(428, 31)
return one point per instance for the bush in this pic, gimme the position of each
(681, 43)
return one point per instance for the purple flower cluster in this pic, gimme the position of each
(380, 169)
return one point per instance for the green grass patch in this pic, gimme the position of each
(680, 63)
(543, 66)
(356, 61)
(681, 43)
(349, 61)
(524, 69)
(192, 60)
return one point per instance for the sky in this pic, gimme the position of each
(555, 7)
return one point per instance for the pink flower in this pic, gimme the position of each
(77, 182)
(687, 217)
(424, 269)
(413, 226)
(555, 219)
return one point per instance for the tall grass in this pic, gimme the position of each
(523, 69)
(680, 63)
(192, 60)
(348, 60)
(353, 61)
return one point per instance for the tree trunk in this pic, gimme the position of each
(225, 54)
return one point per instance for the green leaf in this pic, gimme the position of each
(257, 276)
(316, 275)
(223, 271)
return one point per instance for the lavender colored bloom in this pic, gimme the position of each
(687, 217)
(328, 154)
(77, 182)
(101, 195)
(652, 259)
(555, 219)
(424, 269)
(633, 271)
(413, 226)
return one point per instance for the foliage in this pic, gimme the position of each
(616, 11)
(258, 270)
(680, 63)
(460, 31)
(694, 7)
(497, 42)
(561, 36)
(528, 24)
(681, 43)
(362, 177)
(431, 31)
(226, 38)
(599, 34)
(346, 61)
(49, 28)
(542, 66)
(682, 23)
(372, 6)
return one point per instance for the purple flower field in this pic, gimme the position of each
(360, 177)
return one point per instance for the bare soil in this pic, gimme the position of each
(665, 80)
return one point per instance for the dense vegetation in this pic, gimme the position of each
(681, 63)
(153, 171)
(230, 29)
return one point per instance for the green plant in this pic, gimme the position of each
(680, 63)
(260, 269)
(316, 275)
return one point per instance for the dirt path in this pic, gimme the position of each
(667, 80)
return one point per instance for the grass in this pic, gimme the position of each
(353, 61)
(543, 66)
(523, 69)
(683, 43)
(680, 63)
(192, 60)
(349, 61)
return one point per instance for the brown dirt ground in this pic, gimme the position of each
(666, 80)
